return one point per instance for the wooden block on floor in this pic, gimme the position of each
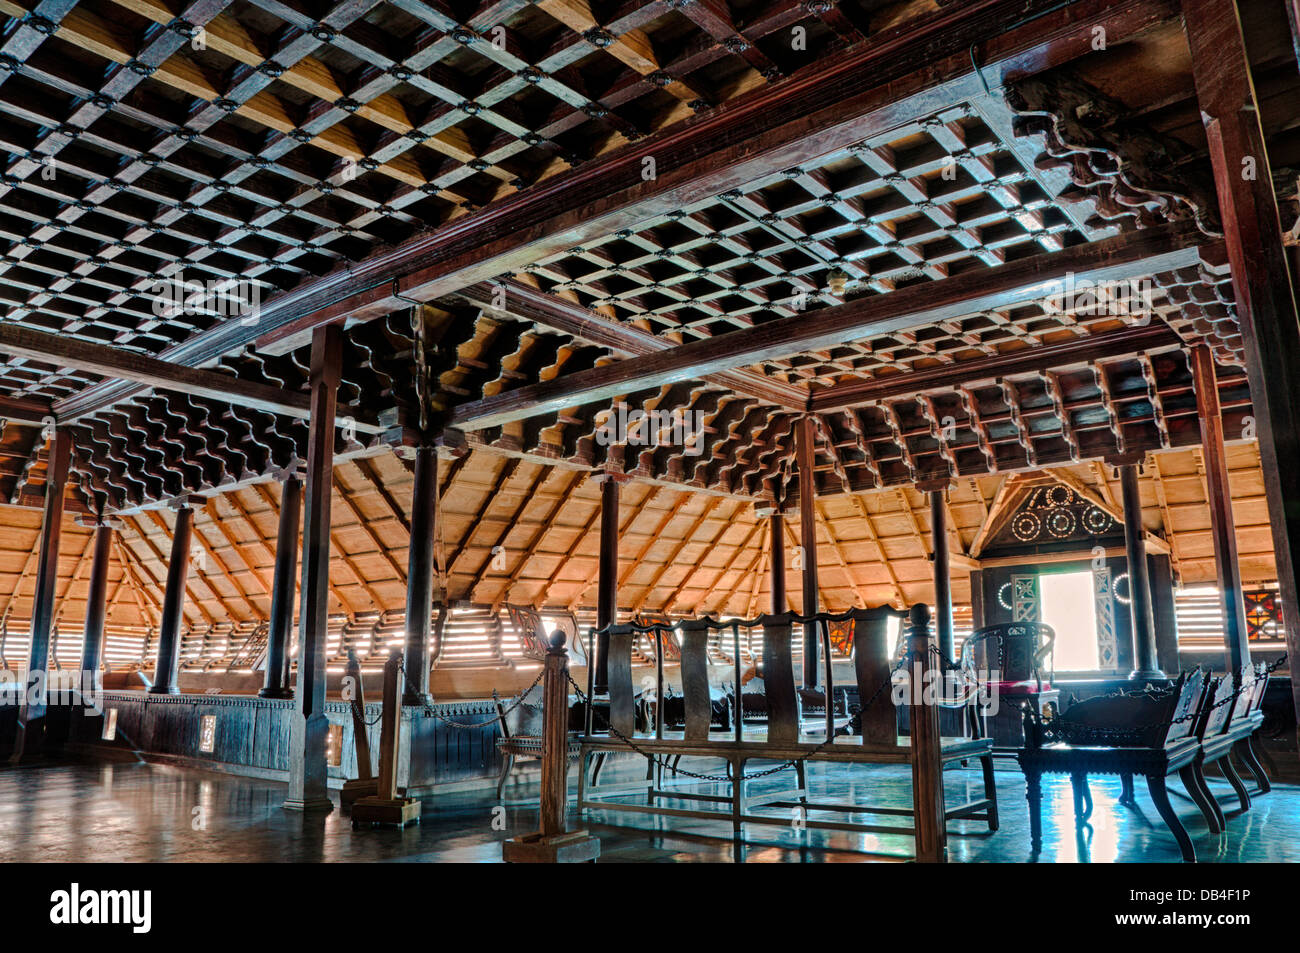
(374, 810)
(575, 847)
(357, 788)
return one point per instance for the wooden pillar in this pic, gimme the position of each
(283, 586)
(1219, 500)
(552, 843)
(173, 610)
(419, 577)
(776, 528)
(607, 580)
(307, 769)
(923, 721)
(805, 436)
(1164, 609)
(978, 618)
(31, 717)
(942, 570)
(390, 727)
(1144, 631)
(1261, 282)
(92, 649)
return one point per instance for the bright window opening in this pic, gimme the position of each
(1067, 605)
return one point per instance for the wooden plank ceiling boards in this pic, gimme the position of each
(550, 211)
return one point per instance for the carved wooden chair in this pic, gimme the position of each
(1150, 732)
(1016, 651)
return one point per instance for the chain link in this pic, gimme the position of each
(421, 367)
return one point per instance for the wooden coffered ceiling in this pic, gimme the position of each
(558, 206)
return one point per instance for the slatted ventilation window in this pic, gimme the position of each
(471, 638)
(1199, 611)
(125, 647)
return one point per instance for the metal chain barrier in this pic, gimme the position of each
(1056, 728)
(515, 702)
(785, 766)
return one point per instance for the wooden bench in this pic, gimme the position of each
(785, 736)
(514, 746)
(1150, 733)
(1228, 730)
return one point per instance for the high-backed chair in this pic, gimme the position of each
(1016, 651)
(1015, 658)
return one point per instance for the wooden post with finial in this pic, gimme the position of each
(551, 844)
(387, 807)
(923, 717)
(365, 784)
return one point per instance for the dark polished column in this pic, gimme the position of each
(776, 526)
(31, 717)
(942, 573)
(804, 438)
(1219, 500)
(1145, 666)
(308, 790)
(419, 576)
(92, 649)
(283, 586)
(607, 581)
(173, 610)
(977, 615)
(1261, 281)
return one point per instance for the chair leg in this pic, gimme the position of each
(1034, 795)
(800, 770)
(506, 767)
(1188, 777)
(990, 791)
(595, 771)
(1126, 796)
(1160, 796)
(1082, 797)
(1198, 773)
(1239, 786)
(1245, 749)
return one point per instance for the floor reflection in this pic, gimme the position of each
(163, 813)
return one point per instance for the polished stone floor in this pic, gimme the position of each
(149, 812)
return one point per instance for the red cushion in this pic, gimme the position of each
(1021, 688)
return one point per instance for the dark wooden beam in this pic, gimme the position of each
(607, 579)
(776, 531)
(1145, 667)
(1121, 258)
(173, 610)
(1028, 360)
(308, 790)
(31, 717)
(284, 585)
(901, 74)
(805, 436)
(942, 570)
(549, 311)
(25, 410)
(1219, 501)
(69, 352)
(92, 649)
(1261, 280)
(419, 576)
